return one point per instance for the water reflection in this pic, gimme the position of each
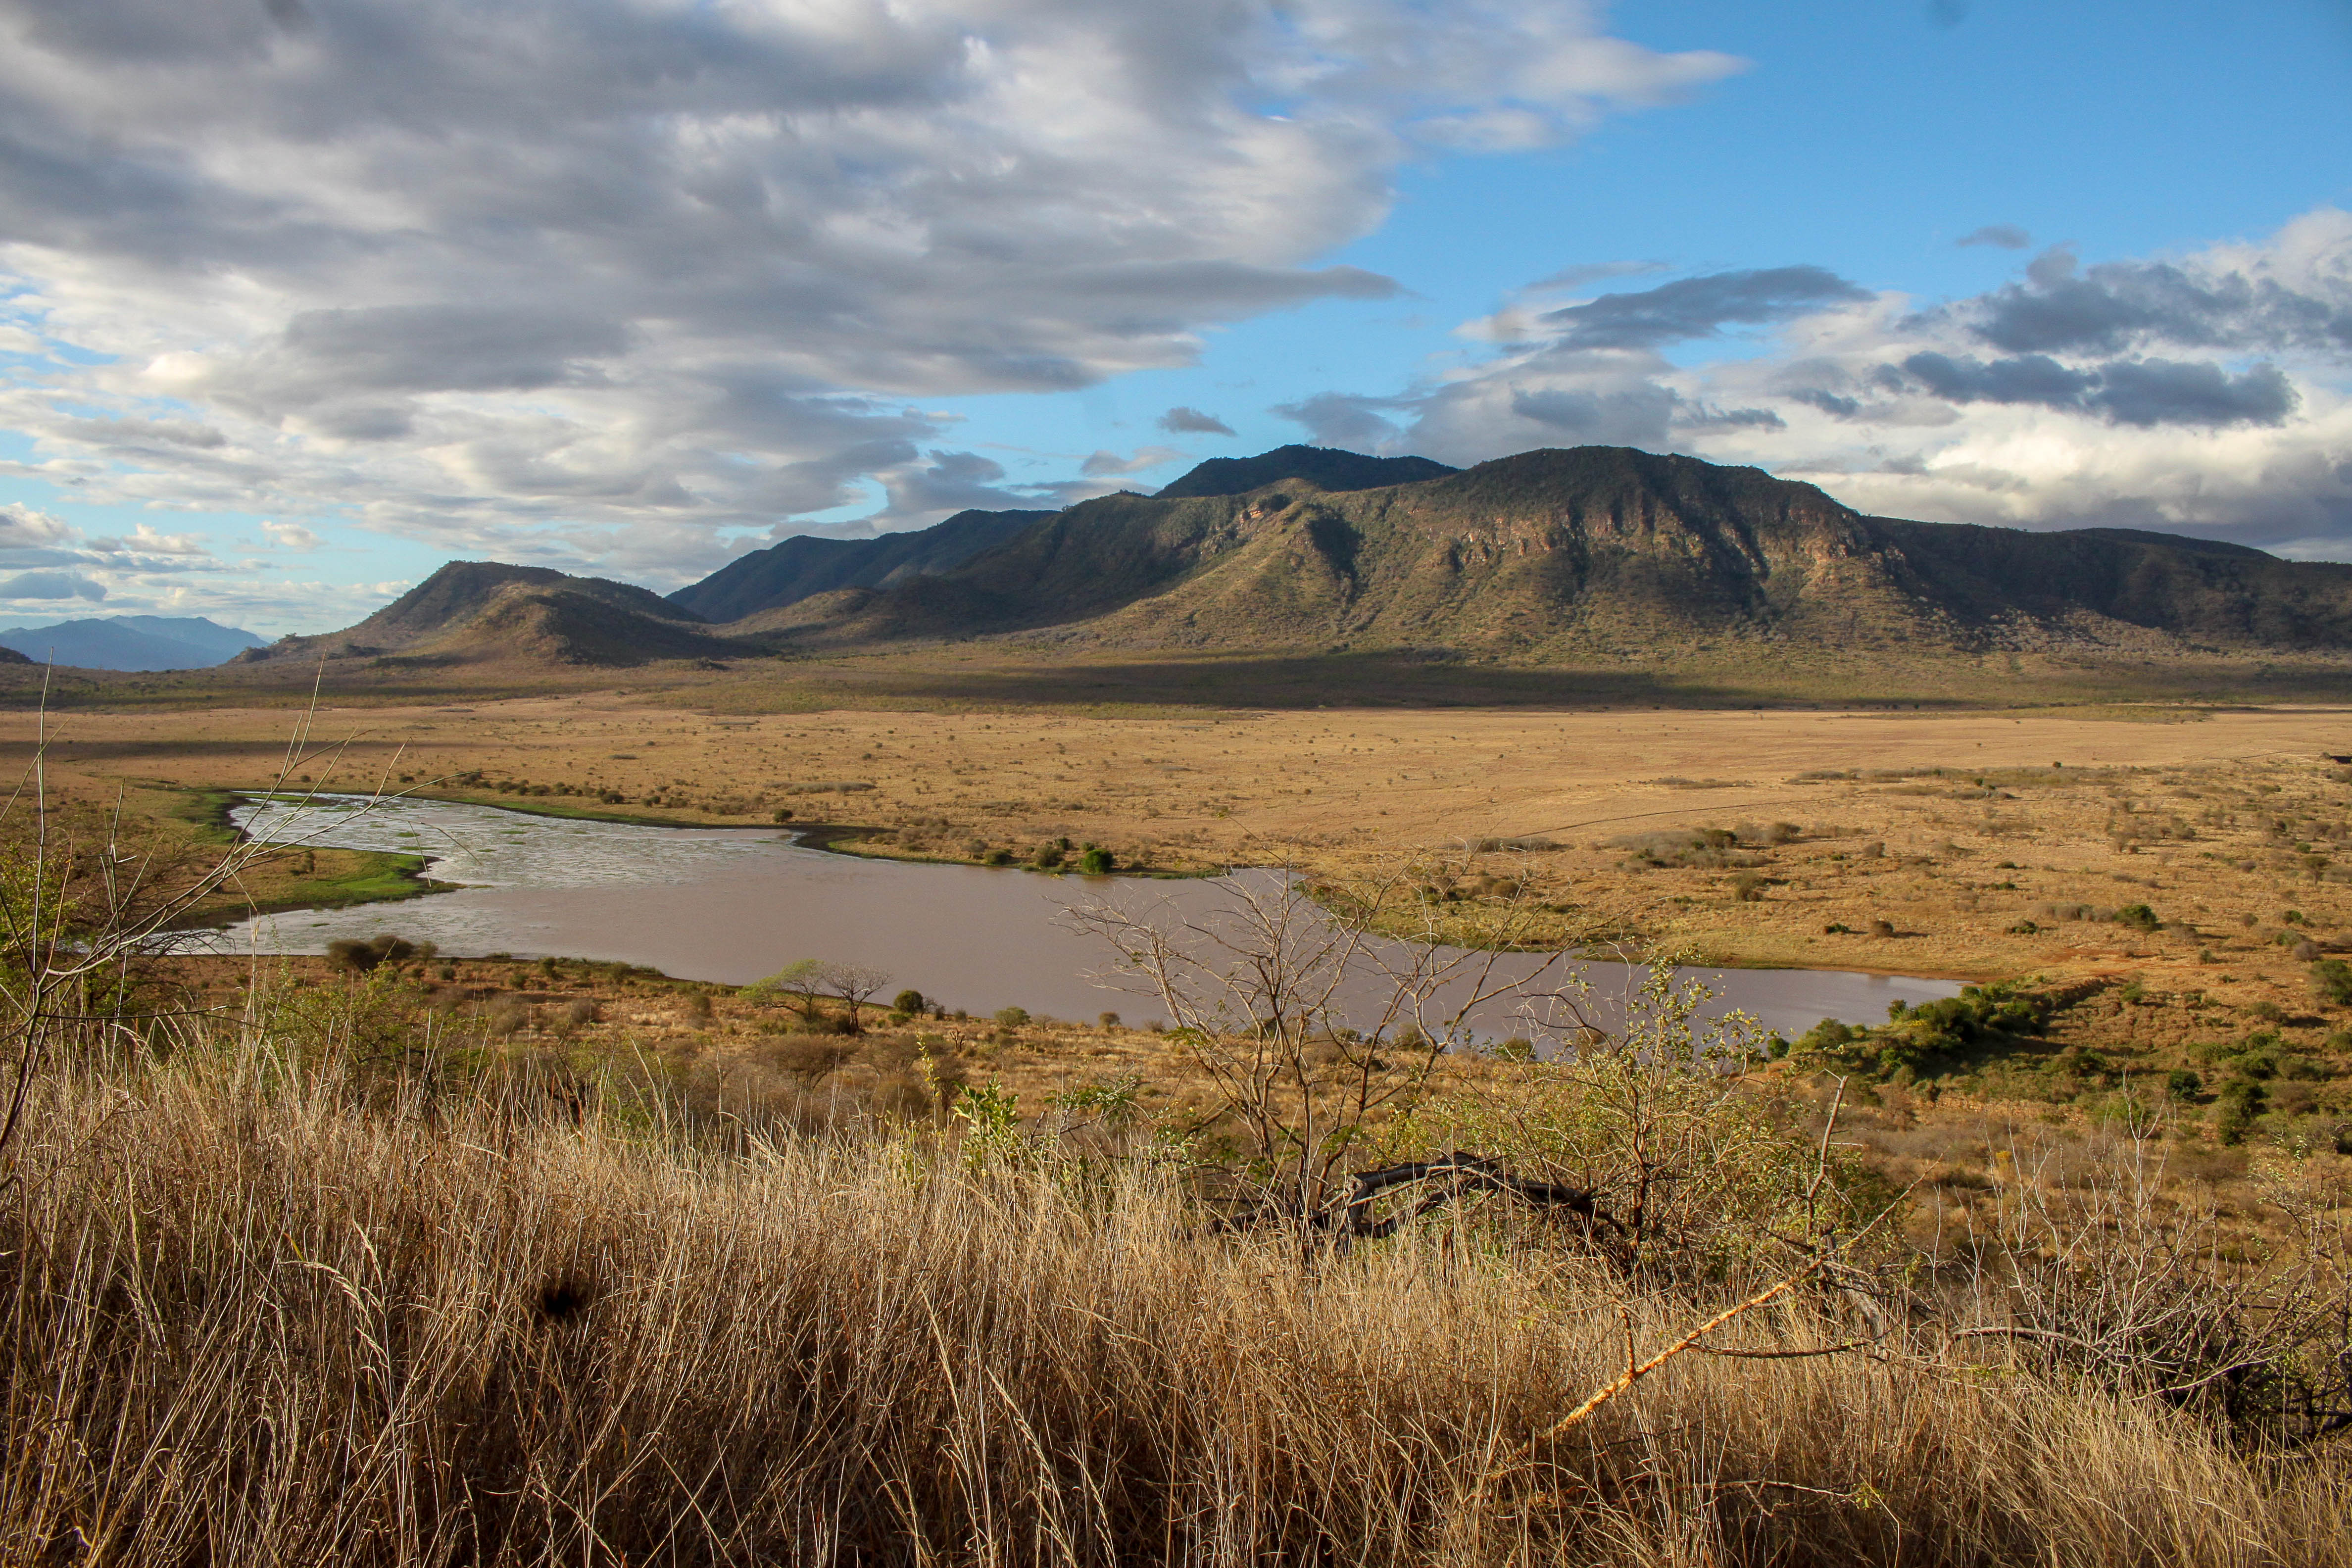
(735, 904)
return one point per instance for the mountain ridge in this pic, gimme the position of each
(131, 643)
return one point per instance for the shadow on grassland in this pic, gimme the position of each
(1419, 680)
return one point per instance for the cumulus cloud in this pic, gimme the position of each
(598, 280)
(289, 536)
(1183, 421)
(2210, 392)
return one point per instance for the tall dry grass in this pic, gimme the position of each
(264, 1311)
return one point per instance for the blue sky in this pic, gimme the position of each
(283, 344)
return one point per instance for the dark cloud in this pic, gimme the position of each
(1183, 421)
(1697, 419)
(2005, 236)
(2169, 392)
(1700, 307)
(1828, 403)
(2031, 378)
(2120, 306)
(50, 585)
(2128, 392)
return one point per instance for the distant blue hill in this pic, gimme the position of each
(131, 642)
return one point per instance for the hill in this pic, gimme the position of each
(788, 572)
(130, 642)
(481, 611)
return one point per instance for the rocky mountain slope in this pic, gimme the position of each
(475, 612)
(788, 572)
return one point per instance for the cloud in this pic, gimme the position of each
(2128, 392)
(600, 281)
(1104, 464)
(1698, 307)
(2208, 392)
(289, 536)
(2005, 236)
(50, 585)
(1183, 421)
(23, 528)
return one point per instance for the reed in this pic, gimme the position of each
(266, 1303)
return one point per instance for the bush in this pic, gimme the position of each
(2183, 1085)
(359, 957)
(1048, 856)
(1012, 1017)
(999, 857)
(1098, 862)
(2332, 978)
(1748, 888)
(907, 1001)
(782, 813)
(2139, 917)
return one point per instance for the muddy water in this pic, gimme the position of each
(733, 905)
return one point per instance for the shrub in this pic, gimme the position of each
(2332, 978)
(1048, 856)
(1012, 1017)
(782, 813)
(583, 1010)
(359, 957)
(907, 1001)
(1108, 1020)
(1748, 888)
(1098, 862)
(2139, 917)
(999, 857)
(2183, 1085)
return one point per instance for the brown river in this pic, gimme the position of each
(733, 905)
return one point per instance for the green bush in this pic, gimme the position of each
(907, 1001)
(2139, 917)
(2332, 978)
(1098, 862)
(2182, 1084)
(1012, 1017)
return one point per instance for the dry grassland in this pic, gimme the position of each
(1982, 846)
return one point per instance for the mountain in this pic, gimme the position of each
(130, 642)
(1592, 553)
(788, 572)
(1326, 468)
(1597, 551)
(479, 612)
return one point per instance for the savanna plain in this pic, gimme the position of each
(407, 1256)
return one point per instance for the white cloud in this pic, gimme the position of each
(593, 281)
(1107, 465)
(289, 536)
(2207, 391)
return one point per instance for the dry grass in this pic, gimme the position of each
(269, 1309)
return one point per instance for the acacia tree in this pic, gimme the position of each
(1312, 1007)
(855, 983)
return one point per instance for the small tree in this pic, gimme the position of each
(1311, 1018)
(803, 979)
(856, 984)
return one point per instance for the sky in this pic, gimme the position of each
(300, 298)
